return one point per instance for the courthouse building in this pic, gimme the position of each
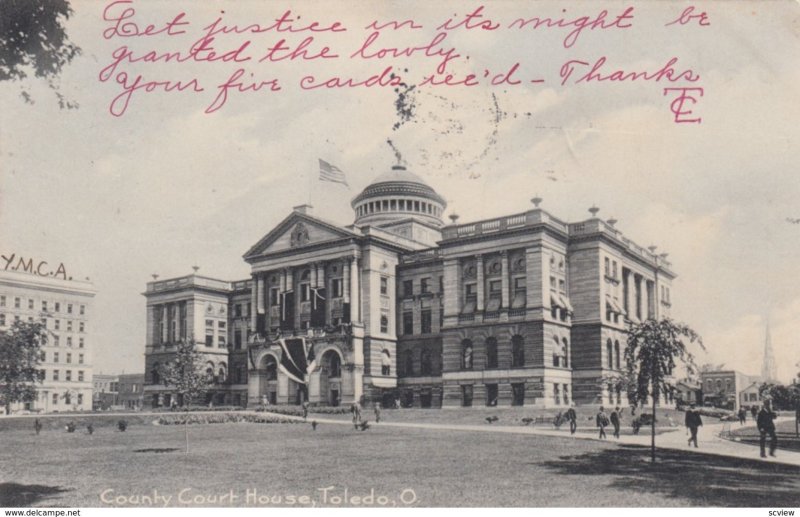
(31, 293)
(400, 307)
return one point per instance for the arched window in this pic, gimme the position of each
(610, 354)
(386, 362)
(616, 353)
(491, 352)
(408, 362)
(557, 353)
(210, 371)
(222, 373)
(425, 362)
(466, 355)
(156, 373)
(566, 352)
(332, 363)
(517, 351)
(271, 367)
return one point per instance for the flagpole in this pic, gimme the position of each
(310, 175)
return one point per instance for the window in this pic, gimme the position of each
(441, 284)
(408, 288)
(491, 352)
(2, 320)
(565, 393)
(58, 307)
(55, 398)
(607, 268)
(69, 340)
(556, 353)
(209, 338)
(426, 321)
(274, 296)
(222, 340)
(67, 398)
(16, 303)
(221, 325)
(616, 353)
(57, 324)
(614, 269)
(80, 399)
(69, 325)
(425, 366)
(408, 322)
(80, 375)
(80, 342)
(237, 310)
(553, 283)
(55, 357)
(69, 358)
(55, 340)
(466, 355)
(55, 375)
(2, 301)
(425, 285)
(80, 358)
(305, 292)
(68, 375)
(83, 310)
(562, 285)
(209, 323)
(466, 395)
(81, 327)
(408, 362)
(384, 323)
(518, 394)
(336, 288)
(495, 287)
(30, 303)
(384, 285)
(237, 339)
(69, 308)
(44, 305)
(517, 351)
(491, 395)
(565, 360)
(609, 354)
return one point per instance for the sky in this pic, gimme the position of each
(166, 186)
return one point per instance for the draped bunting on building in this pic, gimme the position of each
(298, 359)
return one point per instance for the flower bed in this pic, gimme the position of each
(298, 411)
(222, 418)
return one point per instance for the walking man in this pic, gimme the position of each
(377, 412)
(766, 426)
(572, 418)
(602, 422)
(615, 421)
(693, 421)
(356, 410)
(305, 410)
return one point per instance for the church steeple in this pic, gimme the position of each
(768, 368)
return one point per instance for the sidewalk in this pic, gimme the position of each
(676, 439)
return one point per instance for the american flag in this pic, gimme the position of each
(332, 173)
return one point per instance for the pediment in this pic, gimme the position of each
(296, 232)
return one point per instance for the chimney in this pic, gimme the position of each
(303, 209)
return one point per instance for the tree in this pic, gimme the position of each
(186, 376)
(650, 357)
(20, 353)
(33, 38)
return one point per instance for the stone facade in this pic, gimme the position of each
(400, 308)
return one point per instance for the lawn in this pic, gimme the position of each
(785, 431)
(433, 467)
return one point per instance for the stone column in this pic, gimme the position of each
(480, 286)
(452, 290)
(346, 284)
(253, 303)
(260, 295)
(355, 304)
(165, 327)
(505, 279)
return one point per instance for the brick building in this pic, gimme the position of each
(525, 309)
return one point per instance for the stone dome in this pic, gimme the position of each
(396, 195)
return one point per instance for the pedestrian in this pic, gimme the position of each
(766, 426)
(377, 412)
(572, 418)
(615, 421)
(559, 418)
(355, 408)
(754, 411)
(305, 410)
(37, 426)
(602, 422)
(693, 421)
(742, 416)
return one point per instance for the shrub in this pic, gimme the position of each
(122, 425)
(71, 427)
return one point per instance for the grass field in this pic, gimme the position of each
(441, 467)
(785, 431)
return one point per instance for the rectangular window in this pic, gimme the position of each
(408, 288)
(80, 342)
(44, 305)
(237, 339)
(426, 321)
(68, 375)
(441, 285)
(556, 394)
(221, 325)
(55, 397)
(69, 358)
(553, 283)
(384, 322)
(81, 327)
(336, 288)
(55, 375)
(424, 285)
(80, 358)
(30, 303)
(209, 323)
(614, 269)
(305, 292)
(58, 307)
(55, 340)
(466, 395)
(223, 341)
(565, 393)
(83, 310)
(55, 357)
(69, 340)
(237, 310)
(607, 267)
(384, 285)
(562, 285)
(69, 308)
(495, 287)
(274, 296)
(408, 323)
(2, 320)
(518, 394)
(491, 395)
(2, 301)
(471, 291)
(80, 375)
(16, 303)
(69, 325)
(209, 338)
